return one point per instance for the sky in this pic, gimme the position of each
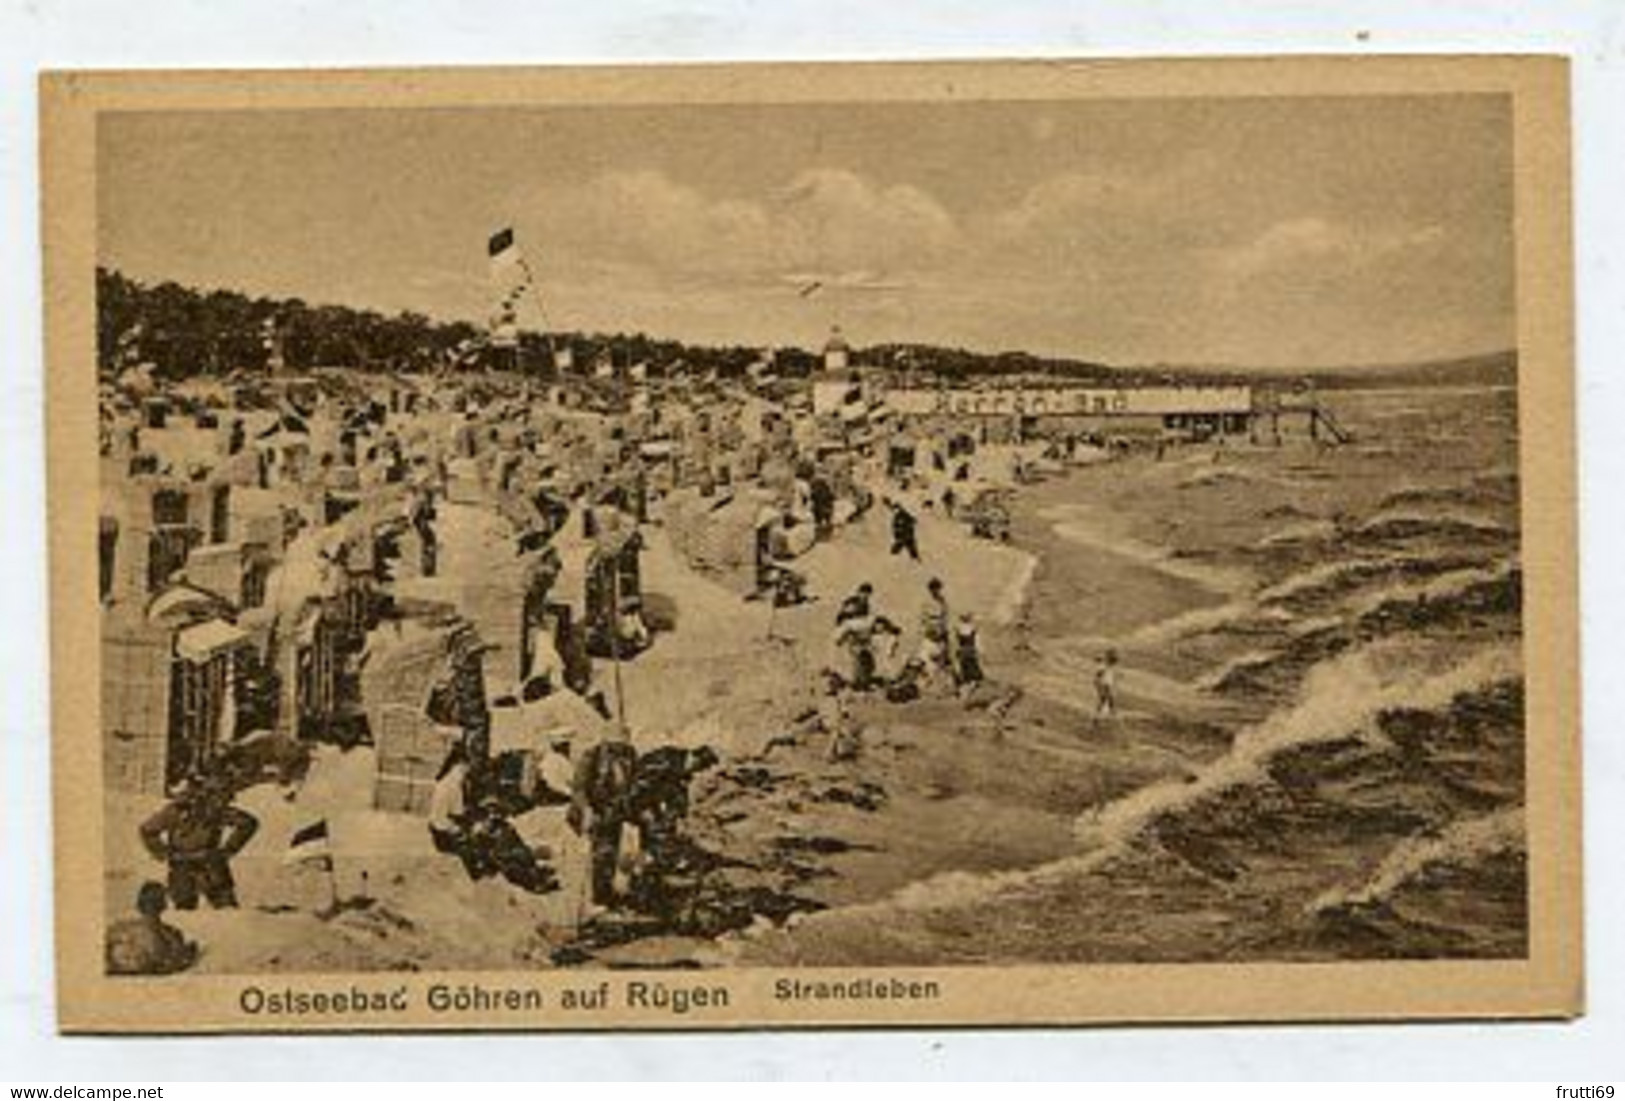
(1261, 232)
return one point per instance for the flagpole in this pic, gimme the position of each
(541, 309)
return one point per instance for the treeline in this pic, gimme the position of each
(960, 363)
(183, 332)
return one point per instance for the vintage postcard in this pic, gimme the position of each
(811, 545)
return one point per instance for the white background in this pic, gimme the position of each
(37, 34)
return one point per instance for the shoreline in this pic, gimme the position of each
(1055, 764)
(960, 813)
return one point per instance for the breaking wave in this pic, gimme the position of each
(1437, 591)
(1342, 700)
(1079, 528)
(1403, 525)
(1460, 844)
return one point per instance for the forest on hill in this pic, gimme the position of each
(184, 332)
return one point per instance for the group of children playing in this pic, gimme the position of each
(949, 651)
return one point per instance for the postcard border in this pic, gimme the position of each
(1548, 984)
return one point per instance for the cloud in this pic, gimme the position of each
(837, 219)
(1173, 262)
(1059, 203)
(822, 220)
(1304, 242)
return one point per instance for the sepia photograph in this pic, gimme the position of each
(813, 544)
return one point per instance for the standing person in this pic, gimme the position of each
(598, 806)
(823, 507)
(1106, 686)
(904, 531)
(147, 944)
(968, 654)
(936, 651)
(767, 517)
(196, 834)
(428, 542)
(854, 636)
(858, 637)
(845, 732)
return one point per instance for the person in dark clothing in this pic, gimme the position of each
(491, 845)
(463, 702)
(823, 507)
(968, 654)
(107, 548)
(658, 801)
(146, 944)
(904, 532)
(856, 605)
(423, 524)
(598, 806)
(765, 523)
(196, 834)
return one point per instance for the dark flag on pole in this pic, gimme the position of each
(510, 280)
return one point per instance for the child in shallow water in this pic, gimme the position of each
(1106, 686)
(967, 654)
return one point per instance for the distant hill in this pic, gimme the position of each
(1494, 369)
(1491, 369)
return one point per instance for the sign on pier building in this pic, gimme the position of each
(1034, 401)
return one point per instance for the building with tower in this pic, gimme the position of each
(837, 353)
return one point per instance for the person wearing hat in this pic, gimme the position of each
(196, 834)
(147, 944)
